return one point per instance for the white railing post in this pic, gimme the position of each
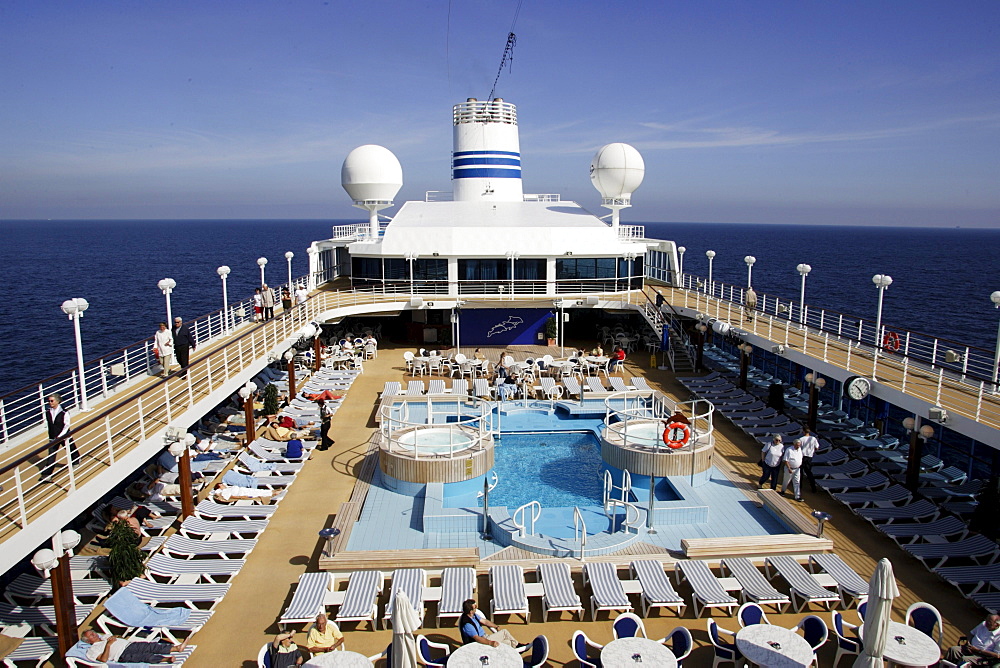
(965, 363)
(3, 422)
(937, 398)
(70, 467)
(979, 399)
(142, 420)
(104, 378)
(906, 368)
(19, 490)
(107, 435)
(849, 348)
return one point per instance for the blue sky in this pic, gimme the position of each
(785, 112)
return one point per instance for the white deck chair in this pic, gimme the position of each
(482, 388)
(640, 384)
(918, 511)
(34, 588)
(457, 587)
(849, 583)
(657, 592)
(460, 386)
(607, 592)
(413, 581)
(802, 584)
(911, 532)
(707, 591)
(978, 548)
(559, 592)
(891, 495)
(572, 386)
(35, 650)
(193, 570)
(251, 464)
(124, 611)
(42, 616)
(308, 599)
(221, 530)
(594, 384)
(214, 510)
(756, 588)
(435, 386)
(415, 388)
(155, 593)
(392, 388)
(618, 384)
(224, 549)
(509, 597)
(361, 598)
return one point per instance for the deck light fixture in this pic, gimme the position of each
(166, 286)
(262, 262)
(54, 563)
(680, 268)
(995, 298)
(816, 383)
(881, 281)
(74, 308)
(288, 256)
(290, 359)
(223, 273)
(246, 392)
(750, 260)
(746, 350)
(919, 435)
(711, 256)
(803, 270)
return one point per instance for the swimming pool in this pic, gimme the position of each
(557, 469)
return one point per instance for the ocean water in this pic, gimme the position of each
(942, 278)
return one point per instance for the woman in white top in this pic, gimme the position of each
(164, 347)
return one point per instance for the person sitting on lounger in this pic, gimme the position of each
(471, 624)
(109, 648)
(324, 636)
(283, 652)
(228, 493)
(983, 648)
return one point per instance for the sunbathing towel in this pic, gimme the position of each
(255, 465)
(239, 480)
(130, 611)
(229, 493)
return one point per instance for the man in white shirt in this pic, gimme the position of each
(793, 468)
(809, 445)
(109, 648)
(770, 461)
(301, 295)
(57, 422)
(983, 647)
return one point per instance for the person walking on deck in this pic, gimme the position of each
(770, 461)
(57, 421)
(163, 346)
(809, 445)
(267, 301)
(184, 343)
(749, 303)
(793, 469)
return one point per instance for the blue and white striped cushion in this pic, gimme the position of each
(607, 587)
(457, 585)
(655, 583)
(558, 585)
(359, 600)
(508, 589)
(156, 592)
(704, 583)
(307, 602)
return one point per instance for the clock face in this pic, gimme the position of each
(858, 388)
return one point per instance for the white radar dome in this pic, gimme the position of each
(617, 170)
(371, 173)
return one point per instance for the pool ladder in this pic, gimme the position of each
(536, 511)
(580, 530)
(611, 503)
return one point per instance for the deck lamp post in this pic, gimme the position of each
(180, 448)
(411, 258)
(54, 564)
(512, 256)
(750, 260)
(702, 329)
(995, 298)
(167, 286)
(262, 262)
(919, 435)
(290, 359)
(803, 270)
(881, 281)
(223, 273)
(246, 393)
(74, 308)
(680, 268)
(711, 256)
(816, 383)
(288, 256)
(746, 350)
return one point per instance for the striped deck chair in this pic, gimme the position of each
(594, 384)
(918, 511)
(77, 656)
(481, 388)
(559, 592)
(155, 593)
(460, 386)
(870, 482)
(123, 610)
(435, 386)
(223, 529)
(572, 386)
(508, 591)
(36, 650)
(707, 378)
(34, 588)
(308, 599)
(224, 549)
(85, 567)
(967, 490)
(848, 469)
(457, 586)
(988, 600)
(211, 509)
(963, 576)
(912, 532)
(802, 584)
(755, 586)
(392, 388)
(191, 571)
(657, 592)
(247, 462)
(607, 592)
(849, 583)
(640, 384)
(976, 547)
(415, 388)
(830, 457)
(891, 495)
(706, 590)
(361, 598)
(618, 384)
(42, 616)
(546, 383)
(413, 581)
(258, 450)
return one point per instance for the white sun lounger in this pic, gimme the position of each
(849, 468)
(978, 576)
(912, 532)
(508, 591)
(870, 482)
(221, 530)
(657, 592)
(37, 650)
(258, 451)
(308, 599)
(607, 592)
(212, 509)
(918, 511)
(460, 386)
(481, 388)
(248, 462)
(435, 386)
(559, 592)
(803, 585)
(572, 386)
(546, 383)
(594, 384)
(413, 581)
(618, 384)
(392, 388)
(978, 548)
(185, 547)
(34, 588)
(457, 586)
(191, 571)
(705, 587)
(155, 593)
(891, 495)
(42, 616)
(415, 388)
(361, 598)
(640, 384)
(756, 588)
(849, 583)
(120, 608)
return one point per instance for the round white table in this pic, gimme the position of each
(909, 646)
(343, 659)
(629, 652)
(774, 646)
(477, 655)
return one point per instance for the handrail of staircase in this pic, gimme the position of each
(536, 512)
(580, 530)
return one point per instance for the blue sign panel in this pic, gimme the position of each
(502, 327)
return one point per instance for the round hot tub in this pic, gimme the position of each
(430, 441)
(643, 434)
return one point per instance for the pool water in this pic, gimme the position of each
(557, 469)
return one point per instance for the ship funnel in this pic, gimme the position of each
(486, 156)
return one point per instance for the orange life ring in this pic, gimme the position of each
(890, 342)
(676, 435)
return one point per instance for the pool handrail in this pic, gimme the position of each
(580, 530)
(536, 512)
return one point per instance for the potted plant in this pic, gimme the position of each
(270, 400)
(125, 558)
(551, 331)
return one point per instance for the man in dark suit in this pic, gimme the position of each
(57, 422)
(184, 343)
